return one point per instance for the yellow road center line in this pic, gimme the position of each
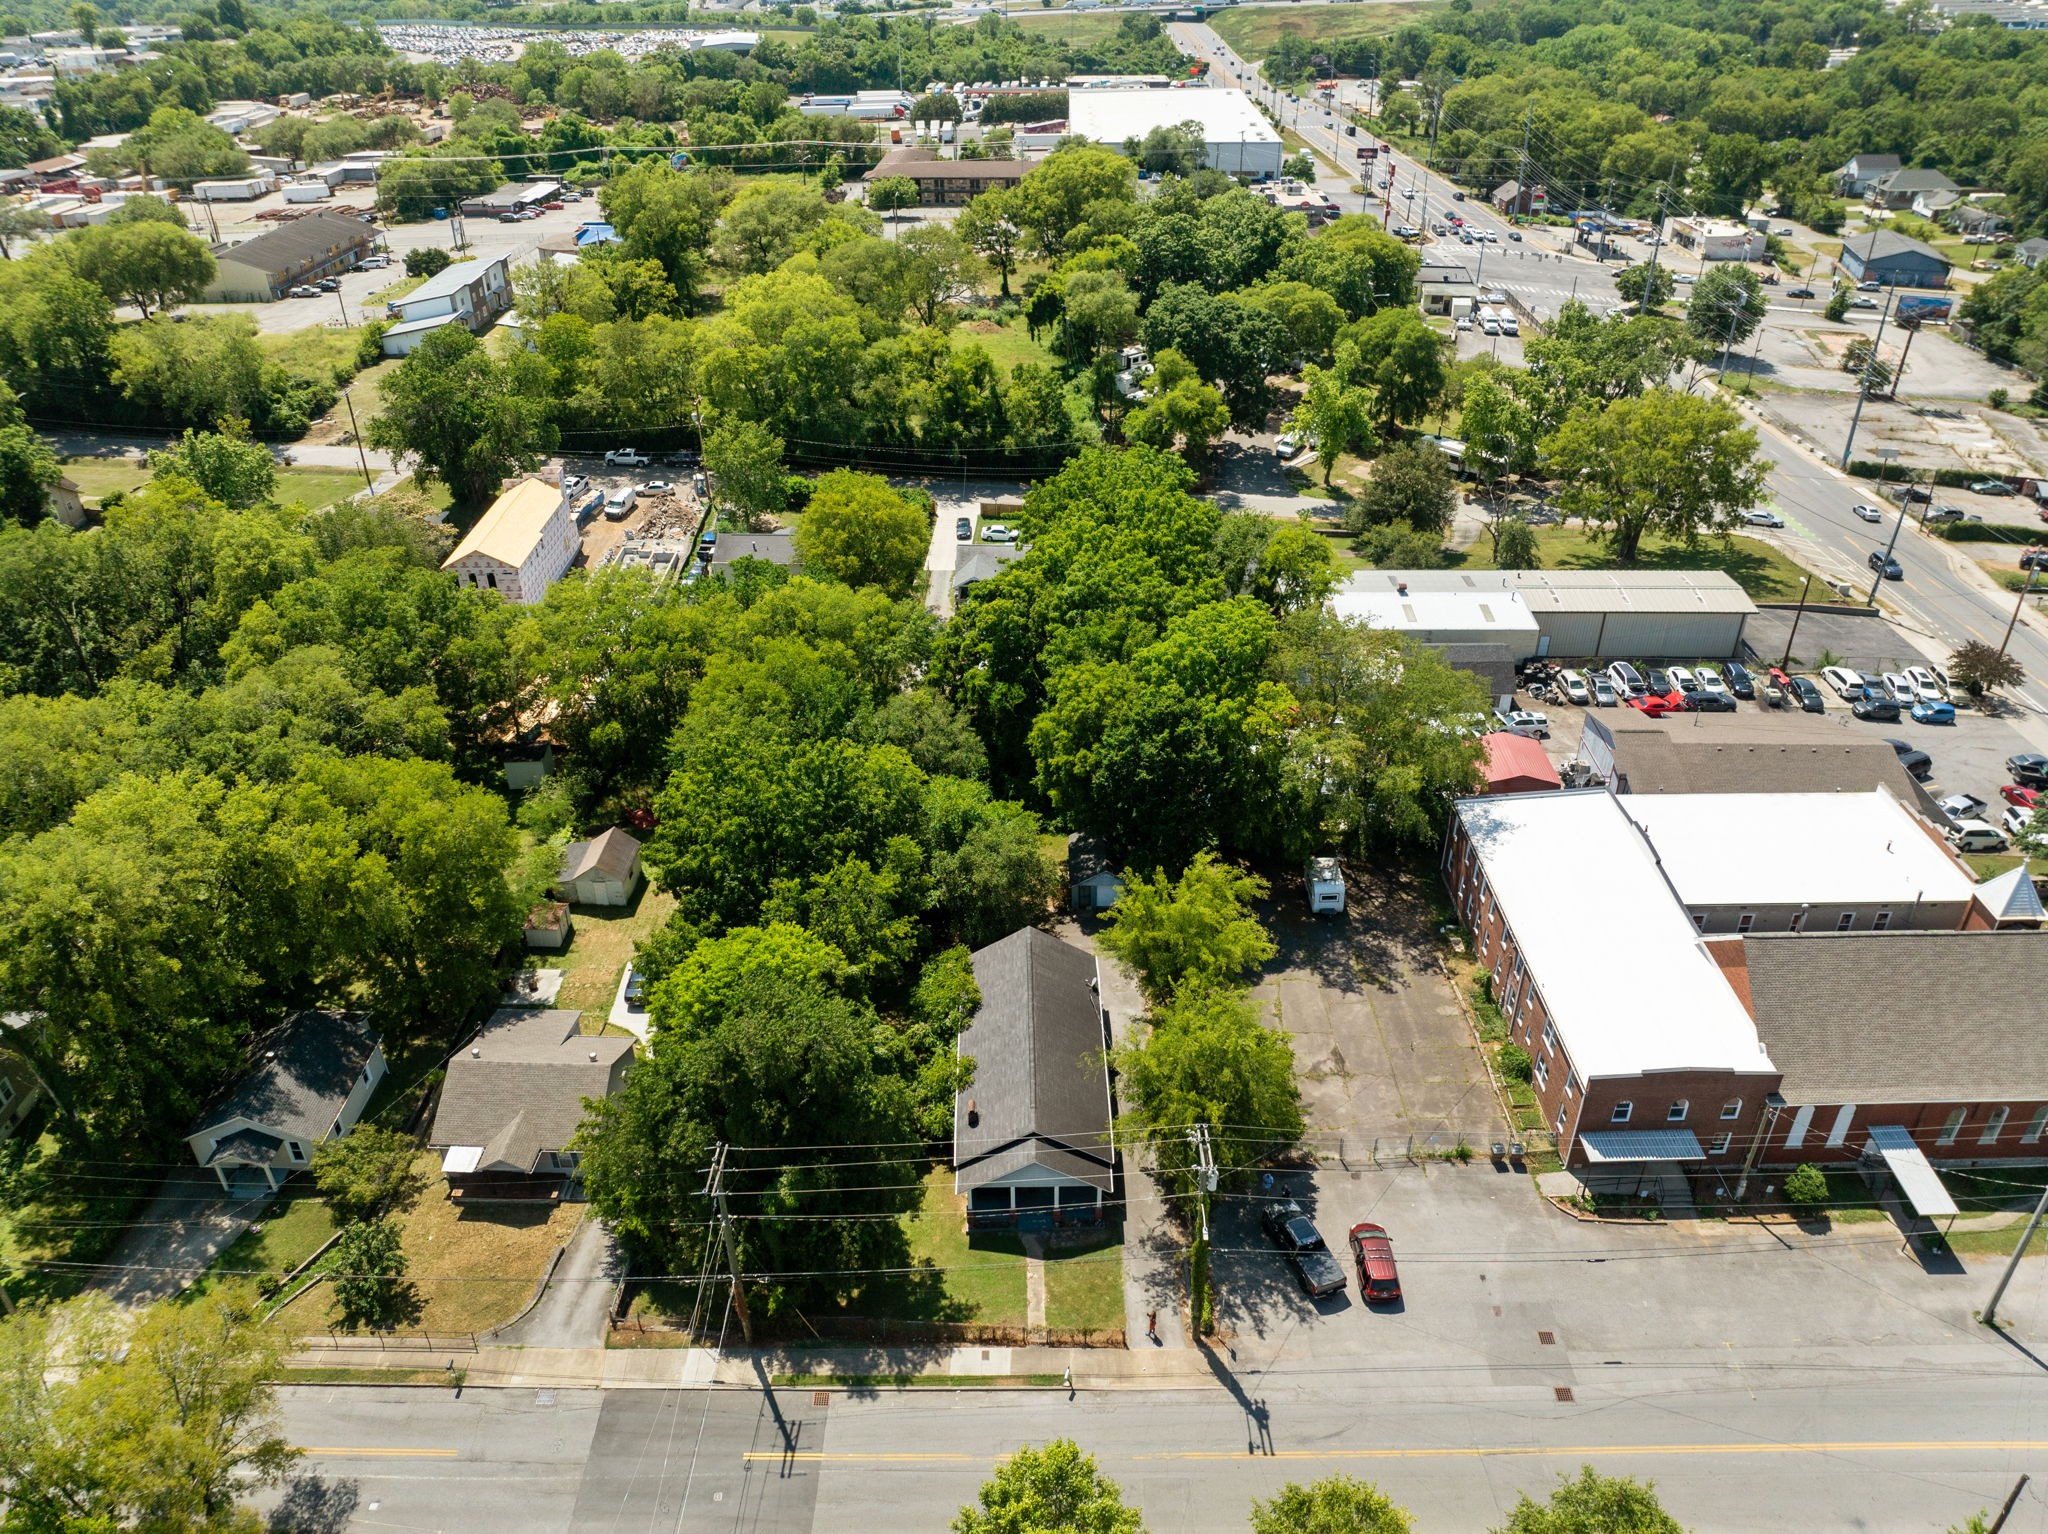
(359, 1452)
(1489, 1451)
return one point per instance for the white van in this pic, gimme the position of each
(1325, 880)
(1975, 836)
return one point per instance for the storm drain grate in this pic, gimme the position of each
(821, 1398)
(1562, 1392)
(1547, 1339)
(543, 1398)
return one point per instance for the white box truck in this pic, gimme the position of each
(1325, 880)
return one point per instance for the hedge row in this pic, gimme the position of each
(1955, 479)
(1992, 532)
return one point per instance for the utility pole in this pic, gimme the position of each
(1656, 245)
(1863, 384)
(1205, 1188)
(356, 432)
(2012, 1267)
(2018, 607)
(1794, 632)
(2011, 1497)
(715, 1189)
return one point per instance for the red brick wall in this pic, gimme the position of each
(1926, 1122)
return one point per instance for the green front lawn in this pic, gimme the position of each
(1084, 1288)
(289, 1231)
(974, 1278)
(98, 478)
(1759, 569)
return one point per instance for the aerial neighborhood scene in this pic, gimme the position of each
(1062, 765)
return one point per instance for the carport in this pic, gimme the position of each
(1891, 1147)
(1642, 1163)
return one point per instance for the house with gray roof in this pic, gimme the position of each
(1855, 178)
(1034, 1144)
(309, 1083)
(1898, 188)
(512, 1100)
(2032, 252)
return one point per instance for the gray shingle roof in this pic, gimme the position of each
(1087, 857)
(290, 246)
(1902, 1017)
(245, 1145)
(611, 852)
(1040, 1095)
(1880, 243)
(516, 1090)
(981, 561)
(1909, 179)
(303, 1076)
(1655, 761)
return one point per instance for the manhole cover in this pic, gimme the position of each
(1547, 1339)
(1562, 1392)
(821, 1398)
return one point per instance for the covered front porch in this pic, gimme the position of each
(1049, 1203)
(245, 1163)
(1639, 1169)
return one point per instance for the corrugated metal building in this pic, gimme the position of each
(1580, 614)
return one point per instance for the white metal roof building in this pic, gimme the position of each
(1803, 862)
(521, 545)
(1439, 617)
(1236, 136)
(1622, 973)
(1648, 614)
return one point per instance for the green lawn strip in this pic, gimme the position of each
(1992, 1243)
(98, 477)
(397, 290)
(1759, 569)
(1989, 865)
(372, 1376)
(1084, 1287)
(1251, 34)
(285, 1235)
(978, 1278)
(316, 488)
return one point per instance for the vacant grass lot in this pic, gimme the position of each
(1759, 569)
(98, 478)
(1006, 345)
(599, 951)
(1251, 34)
(313, 348)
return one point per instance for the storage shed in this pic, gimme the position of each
(602, 871)
(1516, 764)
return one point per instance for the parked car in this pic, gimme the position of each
(554, 207)
(2035, 558)
(2023, 798)
(1898, 688)
(1524, 722)
(1658, 679)
(636, 991)
(1934, 713)
(571, 483)
(963, 529)
(1885, 565)
(1574, 685)
(1627, 681)
(1658, 704)
(1808, 695)
(2016, 819)
(303, 291)
(1869, 286)
(681, 458)
(657, 487)
(1991, 487)
(1296, 1235)
(1844, 681)
(1883, 710)
(1763, 519)
(1799, 293)
(375, 263)
(619, 504)
(1927, 687)
(1286, 445)
(627, 458)
(329, 284)
(1868, 513)
(1682, 678)
(1911, 757)
(1710, 681)
(996, 532)
(1704, 702)
(1947, 513)
(1603, 690)
(2029, 769)
(1975, 836)
(1372, 1253)
(1740, 682)
(1864, 301)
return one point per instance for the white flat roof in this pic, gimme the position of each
(1502, 612)
(1797, 849)
(1650, 591)
(1627, 982)
(1109, 115)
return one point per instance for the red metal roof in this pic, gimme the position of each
(1517, 765)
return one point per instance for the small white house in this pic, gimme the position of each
(312, 1082)
(521, 546)
(602, 871)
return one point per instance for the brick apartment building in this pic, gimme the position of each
(1669, 1034)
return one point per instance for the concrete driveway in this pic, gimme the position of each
(578, 1299)
(191, 1221)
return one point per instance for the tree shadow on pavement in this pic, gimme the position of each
(314, 1505)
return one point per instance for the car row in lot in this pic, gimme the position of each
(1654, 689)
(1317, 1269)
(1921, 691)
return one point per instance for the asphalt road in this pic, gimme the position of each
(1909, 1450)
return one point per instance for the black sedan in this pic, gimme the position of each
(1889, 567)
(1709, 703)
(1918, 762)
(1875, 706)
(1296, 1235)
(2029, 770)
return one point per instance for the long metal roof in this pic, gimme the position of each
(1580, 591)
(1918, 1180)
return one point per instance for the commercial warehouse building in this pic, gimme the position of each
(1641, 614)
(1661, 1052)
(1440, 617)
(302, 251)
(1236, 138)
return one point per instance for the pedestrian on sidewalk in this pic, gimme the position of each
(1068, 1381)
(1152, 1324)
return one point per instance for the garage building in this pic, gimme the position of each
(1236, 138)
(1894, 259)
(1488, 617)
(1641, 614)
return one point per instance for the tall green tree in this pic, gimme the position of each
(989, 225)
(1410, 483)
(1675, 464)
(1401, 359)
(1336, 1505)
(667, 216)
(1726, 306)
(1037, 1491)
(464, 415)
(1198, 930)
(225, 464)
(744, 460)
(1335, 416)
(28, 465)
(857, 529)
(148, 264)
(369, 1283)
(1591, 1503)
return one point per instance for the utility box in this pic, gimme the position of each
(1325, 880)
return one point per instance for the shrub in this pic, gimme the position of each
(1515, 1063)
(427, 261)
(1998, 399)
(1807, 1188)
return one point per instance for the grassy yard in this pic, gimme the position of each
(598, 952)
(98, 478)
(1759, 569)
(397, 290)
(1076, 29)
(978, 1278)
(1006, 345)
(291, 1231)
(1989, 865)
(473, 1268)
(1084, 1288)
(1251, 34)
(313, 348)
